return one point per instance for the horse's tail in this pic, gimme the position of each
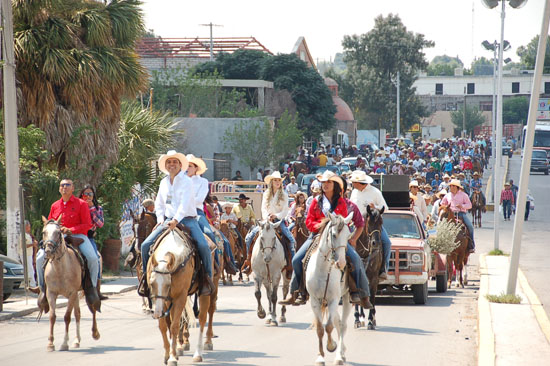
(188, 315)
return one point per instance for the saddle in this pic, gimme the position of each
(286, 246)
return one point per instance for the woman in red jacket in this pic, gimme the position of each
(331, 200)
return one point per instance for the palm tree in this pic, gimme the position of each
(76, 60)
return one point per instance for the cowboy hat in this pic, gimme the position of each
(300, 193)
(201, 165)
(227, 204)
(476, 173)
(330, 176)
(175, 155)
(316, 186)
(413, 183)
(443, 192)
(274, 175)
(243, 197)
(446, 176)
(359, 176)
(456, 182)
(147, 202)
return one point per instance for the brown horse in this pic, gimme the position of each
(63, 276)
(477, 208)
(300, 231)
(170, 274)
(477, 166)
(369, 248)
(238, 251)
(459, 256)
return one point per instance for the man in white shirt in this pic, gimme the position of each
(260, 175)
(363, 195)
(419, 201)
(292, 187)
(175, 203)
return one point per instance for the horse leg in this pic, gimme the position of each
(76, 343)
(258, 293)
(51, 300)
(67, 319)
(320, 361)
(372, 312)
(185, 334)
(341, 350)
(274, 302)
(204, 306)
(282, 319)
(163, 327)
(333, 320)
(175, 316)
(357, 323)
(208, 345)
(95, 332)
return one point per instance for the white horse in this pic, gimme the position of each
(325, 284)
(268, 260)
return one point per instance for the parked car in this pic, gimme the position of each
(506, 149)
(13, 275)
(539, 162)
(304, 185)
(321, 169)
(351, 161)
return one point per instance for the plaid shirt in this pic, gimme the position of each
(97, 217)
(507, 195)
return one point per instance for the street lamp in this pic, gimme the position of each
(498, 156)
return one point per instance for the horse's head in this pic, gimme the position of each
(336, 234)
(445, 212)
(160, 281)
(52, 237)
(374, 225)
(268, 239)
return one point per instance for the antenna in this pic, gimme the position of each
(211, 39)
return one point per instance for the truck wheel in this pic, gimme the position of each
(420, 293)
(546, 172)
(441, 282)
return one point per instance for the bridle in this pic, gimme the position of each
(55, 245)
(332, 253)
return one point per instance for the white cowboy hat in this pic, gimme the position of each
(274, 175)
(413, 183)
(328, 175)
(227, 204)
(201, 165)
(359, 176)
(172, 154)
(446, 176)
(443, 192)
(456, 182)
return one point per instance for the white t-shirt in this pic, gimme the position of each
(231, 216)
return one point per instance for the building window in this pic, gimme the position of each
(438, 89)
(515, 87)
(486, 106)
(546, 87)
(471, 88)
(222, 166)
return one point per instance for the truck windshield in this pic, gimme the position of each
(401, 226)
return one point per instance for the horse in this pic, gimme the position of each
(170, 274)
(369, 248)
(477, 166)
(238, 251)
(323, 275)
(477, 208)
(459, 256)
(298, 167)
(63, 276)
(300, 231)
(268, 261)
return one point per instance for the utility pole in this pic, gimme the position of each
(13, 213)
(464, 118)
(398, 109)
(211, 38)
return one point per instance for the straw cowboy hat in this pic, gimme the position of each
(443, 192)
(456, 182)
(330, 176)
(172, 154)
(227, 204)
(359, 176)
(300, 193)
(413, 183)
(274, 175)
(316, 186)
(201, 165)
(446, 176)
(476, 173)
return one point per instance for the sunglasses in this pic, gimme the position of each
(89, 194)
(65, 185)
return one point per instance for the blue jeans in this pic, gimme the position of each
(284, 229)
(92, 240)
(359, 273)
(507, 208)
(86, 249)
(468, 223)
(196, 233)
(205, 227)
(386, 248)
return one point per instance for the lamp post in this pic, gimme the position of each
(498, 155)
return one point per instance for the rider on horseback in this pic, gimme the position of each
(175, 204)
(232, 221)
(476, 183)
(331, 200)
(363, 195)
(460, 204)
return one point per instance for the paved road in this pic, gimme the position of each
(443, 331)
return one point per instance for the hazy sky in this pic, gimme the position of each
(451, 24)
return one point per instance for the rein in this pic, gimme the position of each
(332, 251)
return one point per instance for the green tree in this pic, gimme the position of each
(482, 66)
(285, 137)
(443, 66)
(515, 110)
(474, 118)
(75, 61)
(241, 64)
(373, 60)
(528, 54)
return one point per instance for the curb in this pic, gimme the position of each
(486, 337)
(126, 289)
(27, 311)
(536, 305)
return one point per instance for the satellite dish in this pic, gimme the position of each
(490, 3)
(516, 4)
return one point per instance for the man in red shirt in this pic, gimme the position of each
(76, 221)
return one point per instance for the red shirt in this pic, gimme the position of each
(315, 215)
(76, 215)
(468, 165)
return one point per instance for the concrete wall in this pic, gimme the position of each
(203, 137)
(158, 63)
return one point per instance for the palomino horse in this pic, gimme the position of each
(63, 276)
(238, 252)
(369, 248)
(300, 231)
(323, 275)
(268, 260)
(170, 275)
(477, 208)
(460, 255)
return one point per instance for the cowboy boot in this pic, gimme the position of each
(34, 290)
(247, 266)
(42, 302)
(365, 303)
(101, 296)
(291, 299)
(207, 287)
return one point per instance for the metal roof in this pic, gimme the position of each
(195, 47)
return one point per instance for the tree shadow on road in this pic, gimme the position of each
(107, 349)
(233, 357)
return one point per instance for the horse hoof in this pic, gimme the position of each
(282, 319)
(331, 347)
(208, 346)
(64, 347)
(197, 359)
(268, 322)
(180, 352)
(357, 325)
(319, 363)
(51, 348)
(96, 335)
(371, 326)
(261, 313)
(274, 323)
(172, 363)
(76, 345)
(186, 347)
(338, 362)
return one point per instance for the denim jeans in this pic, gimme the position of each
(507, 208)
(92, 240)
(205, 227)
(468, 223)
(87, 250)
(386, 248)
(284, 229)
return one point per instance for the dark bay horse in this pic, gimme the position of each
(477, 208)
(459, 256)
(238, 251)
(369, 248)
(300, 231)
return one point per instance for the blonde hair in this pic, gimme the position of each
(271, 194)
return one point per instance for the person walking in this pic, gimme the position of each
(507, 200)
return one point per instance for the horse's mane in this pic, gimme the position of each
(166, 247)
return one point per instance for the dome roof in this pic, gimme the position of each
(343, 111)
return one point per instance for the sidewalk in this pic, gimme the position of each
(109, 286)
(510, 334)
